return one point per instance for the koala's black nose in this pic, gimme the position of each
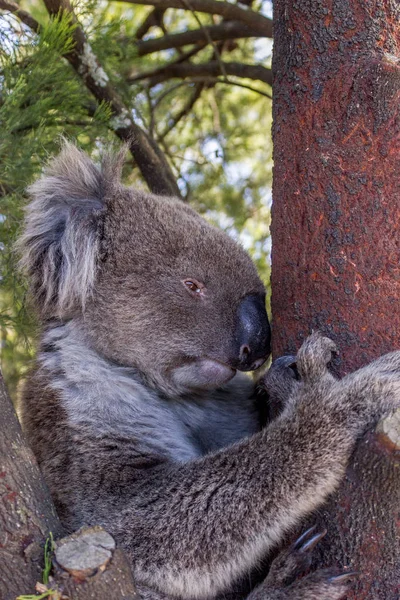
(253, 335)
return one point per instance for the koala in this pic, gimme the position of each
(138, 407)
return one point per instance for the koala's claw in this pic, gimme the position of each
(284, 366)
(303, 538)
(314, 355)
(344, 577)
(308, 544)
(295, 560)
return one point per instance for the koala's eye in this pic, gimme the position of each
(194, 287)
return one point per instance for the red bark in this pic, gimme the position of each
(336, 245)
(336, 253)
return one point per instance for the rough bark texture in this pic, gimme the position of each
(27, 514)
(336, 178)
(336, 250)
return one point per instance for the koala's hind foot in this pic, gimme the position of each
(326, 584)
(283, 583)
(294, 561)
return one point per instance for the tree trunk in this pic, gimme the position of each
(27, 514)
(86, 564)
(336, 250)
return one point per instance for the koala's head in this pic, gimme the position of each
(152, 284)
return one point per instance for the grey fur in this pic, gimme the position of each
(181, 475)
(60, 245)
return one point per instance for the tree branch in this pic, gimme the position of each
(212, 68)
(225, 31)
(27, 513)
(148, 156)
(185, 110)
(132, 75)
(23, 16)
(153, 19)
(233, 12)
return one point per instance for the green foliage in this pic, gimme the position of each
(46, 594)
(40, 99)
(220, 150)
(49, 548)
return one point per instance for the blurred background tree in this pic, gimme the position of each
(189, 80)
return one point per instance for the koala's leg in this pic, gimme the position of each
(203, 524)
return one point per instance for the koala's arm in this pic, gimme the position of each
(192, 529)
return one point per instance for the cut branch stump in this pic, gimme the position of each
(88, 565)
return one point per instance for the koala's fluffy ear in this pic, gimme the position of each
(61, 241)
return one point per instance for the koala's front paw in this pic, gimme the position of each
(279, 382)
(314, 355)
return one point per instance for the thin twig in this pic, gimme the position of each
(185, 110)
(208, 37)
(214, 80)
(133, 77)
(166, 93)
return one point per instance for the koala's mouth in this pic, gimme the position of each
(202, 373)
(255, 365)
